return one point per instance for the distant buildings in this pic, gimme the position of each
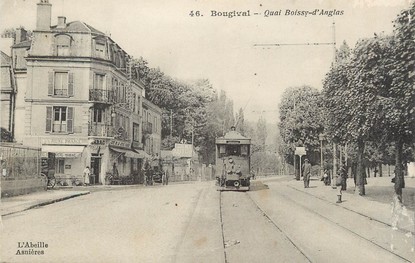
(73, 95)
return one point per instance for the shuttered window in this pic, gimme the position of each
(59, 119)
(61, 84)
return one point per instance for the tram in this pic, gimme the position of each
(233, 161)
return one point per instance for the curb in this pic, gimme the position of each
(47, 202)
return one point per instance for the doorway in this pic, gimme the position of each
(95, 168)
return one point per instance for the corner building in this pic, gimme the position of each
(81, 102)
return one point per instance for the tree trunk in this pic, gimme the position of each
(399, 178)
(380, 170)
(368, 172)
(360, 176)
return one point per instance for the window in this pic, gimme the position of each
(244, 150)
(136, 132)
(97, 115)
(99, 81)
(63, 43)
(61, 166)
(60, 84)
(59, 119)
(100, 49)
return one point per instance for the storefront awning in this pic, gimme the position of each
(64, 151)
(131, 153)
(142, 154)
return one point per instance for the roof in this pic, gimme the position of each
(5, 59)
(77, 26)
(233, 137)
(5, 74)
(26, 43)
(183, 151)
(152, 106)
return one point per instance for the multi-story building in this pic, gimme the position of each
(80, 101)
(7, 97)
(151, 128)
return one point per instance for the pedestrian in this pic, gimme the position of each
(339, 181)
(326, 178)
(306, 173)
(115, 170)
(87, 173)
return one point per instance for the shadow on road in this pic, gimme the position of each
(258, 185)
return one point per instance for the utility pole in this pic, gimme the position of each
(333, 43)
(171, 123)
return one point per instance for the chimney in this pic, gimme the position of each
(21, 35)
(61, 22)
(44, 12)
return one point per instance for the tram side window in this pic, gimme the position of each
(222, 150)
(244, 150)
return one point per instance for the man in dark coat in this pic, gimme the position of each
(306, 173)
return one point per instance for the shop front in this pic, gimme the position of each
(126, 161)
(68, 162)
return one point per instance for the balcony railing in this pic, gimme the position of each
(102, 130)
(147, 127)
(103, 96)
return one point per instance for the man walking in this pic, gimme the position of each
(306, 173)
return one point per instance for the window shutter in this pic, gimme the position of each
(69, 120)
(70, 85)
(48, 119)
(50, 84)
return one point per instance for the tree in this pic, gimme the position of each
(240, 121)
(300, 121)
(261, 130)
(398, 93)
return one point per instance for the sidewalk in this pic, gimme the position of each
(378, 203)
(12, 205)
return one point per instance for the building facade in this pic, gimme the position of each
(78, 100)
(151, 129)
(7, 90)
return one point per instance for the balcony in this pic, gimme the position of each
(101, 130)
(147, 127)
(101, 96)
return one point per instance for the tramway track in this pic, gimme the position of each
(221, 223)
(351, 210)
(265, 216)
(325, 218)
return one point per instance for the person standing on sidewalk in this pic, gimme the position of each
(339, 183)
(87, 173)
(306, 173)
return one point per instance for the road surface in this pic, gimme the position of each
(195, 223)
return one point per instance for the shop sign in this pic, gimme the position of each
(67, 155)
(99, 142)
(67, 166)
(119, 143)
(65, 141)
(300, 151)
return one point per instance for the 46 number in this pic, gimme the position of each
(195, 13)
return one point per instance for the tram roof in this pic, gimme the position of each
(233, 137)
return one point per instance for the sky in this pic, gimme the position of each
(223, 49)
